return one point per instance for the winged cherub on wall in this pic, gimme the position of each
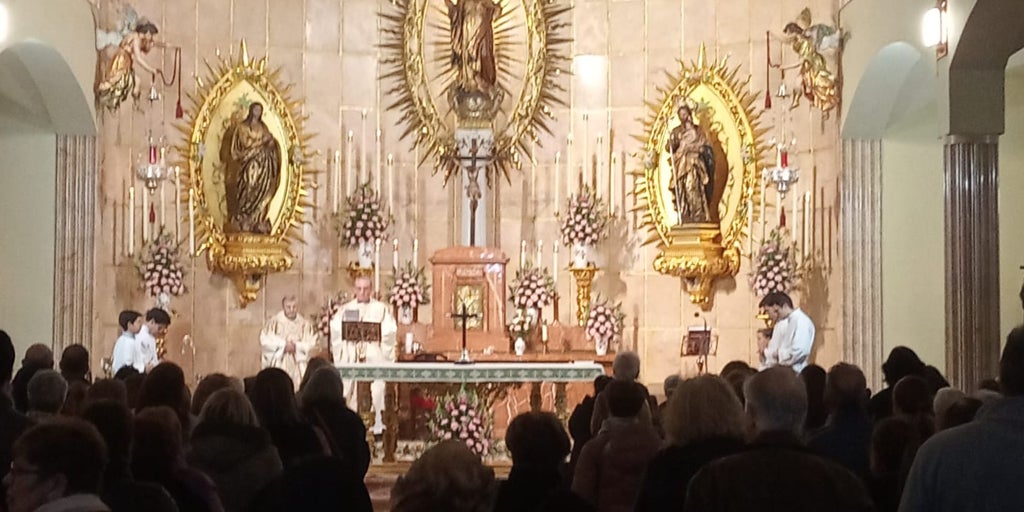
(810, 41)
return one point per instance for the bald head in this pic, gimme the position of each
(363, 289)
(39, 356)
(776, 400)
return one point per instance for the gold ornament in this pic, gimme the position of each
(584, 278)
(246, 247)
(700, 231)
(438, 59)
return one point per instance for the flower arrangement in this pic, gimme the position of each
(458, 417)
(532, 288)
(160, 267)
(409, 288)
(327, 311)
(586, 219)
(364, 219)
(775, 268)
(522, 324)
(604, 322)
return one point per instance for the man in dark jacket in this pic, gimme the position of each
(776, 472)
(846, 436)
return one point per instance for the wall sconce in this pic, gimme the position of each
(934, 29)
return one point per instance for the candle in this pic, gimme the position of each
(794, 214)
(191, 223)
(586, 150)
(544, 332)
(764, 201)
(335, 178)
(785, 159)
(540, 253)
(522, 254)
(394, 255)
(177, 204)
(163, 210)
(570, 171)
(349, 155)
(145, 214)
(416, 252)
(554, 264)
(377, 169)
(533, 176)
(416, 191)
(376, 266)
(594, 172)
(778, 155)
(391, 181)
(131, 221)
(611, 187)
(622, 190)
(558, 156)
(363, 164)
(807, 224)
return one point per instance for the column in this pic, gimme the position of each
(860, 235)
(972, 259)
(74, 242)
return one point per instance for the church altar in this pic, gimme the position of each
(491, 380)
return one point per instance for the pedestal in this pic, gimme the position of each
(584, 278)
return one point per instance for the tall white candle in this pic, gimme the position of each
(394, 255)
(377, 168)
(416, 191)
(191, 223)
(533, 177)
(611, 186)
(808, 215)
(336, 182)
(598, 165)
(554, 265)
(570, 170)
(177, 203)
(131, 220)
(391, 182)
(364, 163)
(794, 216)
(764, 201)
(540, 254)
(350, 178)
(416, 252)
(163, 209)
(522, 254)
(586, 148)
(145, 214)
(558, 179)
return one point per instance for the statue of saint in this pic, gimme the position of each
(472, 43)
(693, 169)
(253, 158)
(120, 80)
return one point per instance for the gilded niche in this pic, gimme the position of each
(247, 171)
(700, 163)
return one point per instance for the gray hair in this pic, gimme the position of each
(776, 400)
(324, 385)
(47, 390)
(670, 384)
(626, 366)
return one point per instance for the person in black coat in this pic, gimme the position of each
(231, 448)
(538, 444)
(12, 422)
(902, 362)
(273, 398)
(579, 421)
(703, 422)
(846, 436)
(323, 405)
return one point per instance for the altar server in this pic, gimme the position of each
(287, 339)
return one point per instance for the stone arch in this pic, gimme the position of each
(39, 88)
(895, 69)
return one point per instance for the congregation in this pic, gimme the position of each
(743, 440)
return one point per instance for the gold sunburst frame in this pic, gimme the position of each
(232, 82)
(701, 253)
(407, 66)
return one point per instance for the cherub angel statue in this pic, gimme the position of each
(133, 38)
(819, 85)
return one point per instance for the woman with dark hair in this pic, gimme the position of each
(211, 384)
(902, 362)
(231, 448)
(324, 406)
(158, 456)
(74, 364)
(273, 398)
(165, 385)
(813, 377)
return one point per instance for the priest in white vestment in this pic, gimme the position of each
(366, 309)
(287, 339)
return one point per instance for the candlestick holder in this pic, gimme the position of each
(584, 277)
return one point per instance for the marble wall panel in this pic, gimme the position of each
(323, 25)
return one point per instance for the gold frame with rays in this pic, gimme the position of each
(701, 253)
(407, 67)
(245, 257)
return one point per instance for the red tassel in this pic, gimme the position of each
(152, 214)
(782, 217)
(180, 112)
(767, 100)
(767, 70)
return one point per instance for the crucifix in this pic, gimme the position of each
(473, 189)
(464, 316)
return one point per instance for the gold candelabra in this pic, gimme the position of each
(584, 277)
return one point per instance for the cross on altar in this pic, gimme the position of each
(464, 316)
